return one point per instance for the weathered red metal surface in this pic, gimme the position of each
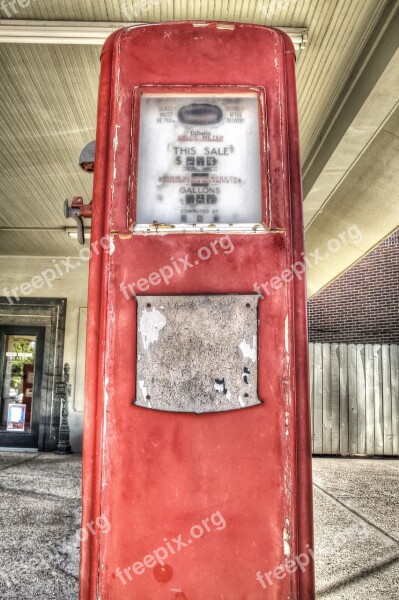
(243, 476)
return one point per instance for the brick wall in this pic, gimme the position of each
(361, 306)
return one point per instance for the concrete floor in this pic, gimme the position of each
(356, 527)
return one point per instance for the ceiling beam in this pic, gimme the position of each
(88, 32)
(351, 176)
(366, 101)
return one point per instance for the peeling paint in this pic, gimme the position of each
(115, 147)
(286, 335)
(105, 391)
(247, 350)
(151, 323)
(286, 542)
(219, 386)
(106, 398)
(144, 392)
(245, 375)
(115, 141)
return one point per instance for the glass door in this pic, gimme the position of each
(21, 363)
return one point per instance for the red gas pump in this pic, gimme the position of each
(196, 440)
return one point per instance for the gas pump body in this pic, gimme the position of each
(171, 437)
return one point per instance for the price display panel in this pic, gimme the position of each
(199, 159)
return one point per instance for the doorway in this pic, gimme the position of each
(31, 360)
(21, 371)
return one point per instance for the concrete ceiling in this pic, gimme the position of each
(347, 79)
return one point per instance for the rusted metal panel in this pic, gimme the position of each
(197, 353)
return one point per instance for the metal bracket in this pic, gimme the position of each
(77, 211)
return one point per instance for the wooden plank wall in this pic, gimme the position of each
(354, 397)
